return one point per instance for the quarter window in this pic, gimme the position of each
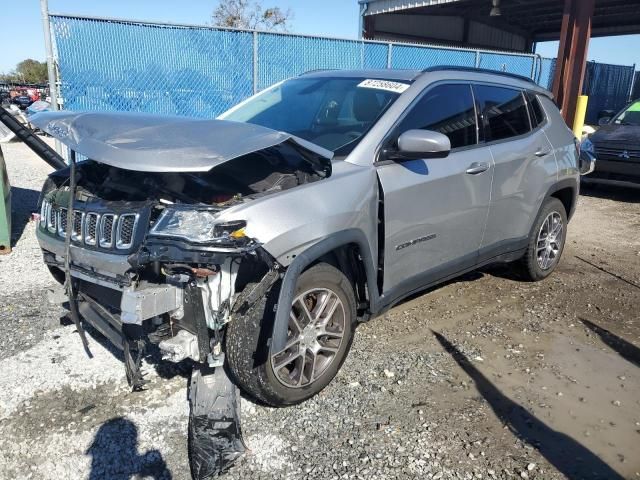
(447, 109)
(504, 112)
(537, 115)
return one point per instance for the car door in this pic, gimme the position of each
(435, 209)
(524, 160)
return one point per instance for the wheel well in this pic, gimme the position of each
(566, 196)
(348, 260)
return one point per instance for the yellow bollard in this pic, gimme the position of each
(581, 113)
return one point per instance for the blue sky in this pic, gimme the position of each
(338, 18)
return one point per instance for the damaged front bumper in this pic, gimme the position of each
(183, 311)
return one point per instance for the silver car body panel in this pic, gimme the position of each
(154, 143)
(434, 212)
(288, 223)
(466, 213)
(111, 265)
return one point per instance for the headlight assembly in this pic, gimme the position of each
(197, 226)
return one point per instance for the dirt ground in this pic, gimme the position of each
(485, 377)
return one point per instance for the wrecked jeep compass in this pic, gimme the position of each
(253, 244)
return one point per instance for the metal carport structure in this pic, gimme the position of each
(513, 25)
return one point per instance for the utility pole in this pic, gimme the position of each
(51, 67)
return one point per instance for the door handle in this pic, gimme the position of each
(475, 168)
(542, 153)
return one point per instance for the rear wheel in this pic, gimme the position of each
(320, 332)
(546, 241)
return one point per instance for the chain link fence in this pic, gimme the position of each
(198, 71)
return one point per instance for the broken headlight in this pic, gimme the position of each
(197, 225)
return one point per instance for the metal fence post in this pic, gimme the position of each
(389, 53)
(255, 62)
(51, 69)
(51, 66)
(633, 82)
(477, 58)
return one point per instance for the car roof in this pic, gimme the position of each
(457, 73)
(390, 74)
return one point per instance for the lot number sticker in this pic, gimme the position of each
(395, 87)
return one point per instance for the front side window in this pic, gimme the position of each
(504, 112)
(334, 113)
(447, 109)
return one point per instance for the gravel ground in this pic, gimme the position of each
(485, 377)
(23, 270)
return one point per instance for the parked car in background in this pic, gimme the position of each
(5, 98)
(616, 145)
(22, 101)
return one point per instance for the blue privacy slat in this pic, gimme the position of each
(202, 71)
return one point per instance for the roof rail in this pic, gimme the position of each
(479, 70)
(308, 72)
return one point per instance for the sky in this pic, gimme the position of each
(336, 18)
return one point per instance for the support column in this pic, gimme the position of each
(572, 55)
(369, 27)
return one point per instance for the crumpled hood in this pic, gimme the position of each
(623, 135)
(155, 143)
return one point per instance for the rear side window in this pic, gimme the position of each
(535, 110)
(504, 112)
(447, 109)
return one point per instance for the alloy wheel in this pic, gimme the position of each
(550, 238)
(317, 324)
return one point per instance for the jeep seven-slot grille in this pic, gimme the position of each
(104, 230)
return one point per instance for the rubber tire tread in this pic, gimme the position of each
(248, 338)
(528, 264)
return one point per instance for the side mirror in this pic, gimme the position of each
(604, 121)
(418, 144)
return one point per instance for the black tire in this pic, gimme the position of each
(247, 342)
(529, 264)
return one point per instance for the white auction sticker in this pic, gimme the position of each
(395, 87)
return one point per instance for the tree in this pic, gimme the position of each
(32, 71)
(27, 71)
(250, 15)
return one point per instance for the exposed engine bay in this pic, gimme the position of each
(147, 217)
(264, 172)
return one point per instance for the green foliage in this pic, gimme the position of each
(27, 71)
(250, 15)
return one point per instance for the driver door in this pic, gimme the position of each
(435, 210)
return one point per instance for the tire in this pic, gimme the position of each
(538, 264)
(326, 339)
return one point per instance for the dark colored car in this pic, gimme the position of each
(22, 101)
(617, 148)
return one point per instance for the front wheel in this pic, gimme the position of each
(320, 332)
(546, 241)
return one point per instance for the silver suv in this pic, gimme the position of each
(261, 239)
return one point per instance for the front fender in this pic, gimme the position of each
(302, 261)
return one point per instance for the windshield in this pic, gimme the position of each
(629, 116)
(334, 113)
